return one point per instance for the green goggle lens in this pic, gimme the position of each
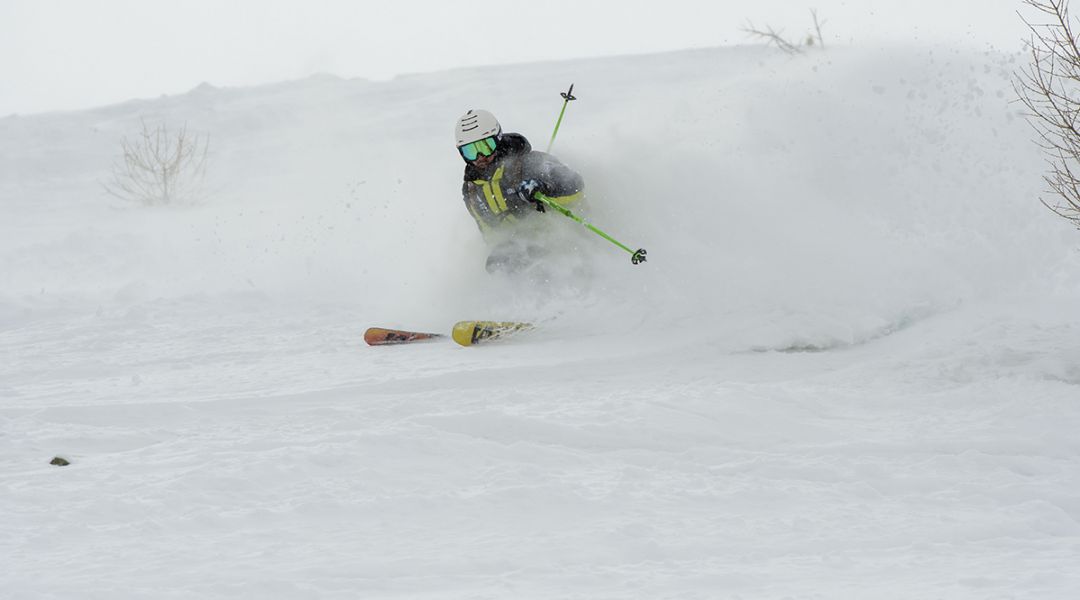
(485, 147)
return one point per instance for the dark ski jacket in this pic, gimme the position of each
(492, 195)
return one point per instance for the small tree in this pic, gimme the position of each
(160, 167)
(1050, 89)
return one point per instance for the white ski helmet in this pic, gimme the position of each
(476, 125)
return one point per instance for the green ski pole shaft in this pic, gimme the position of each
(636, 256)
(568, 95)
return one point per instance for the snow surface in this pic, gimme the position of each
(850, 368)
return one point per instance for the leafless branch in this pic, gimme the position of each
(1049, 87)
(772, 36)
(817, 27)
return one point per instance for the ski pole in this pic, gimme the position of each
(568, 95)
(636, 256)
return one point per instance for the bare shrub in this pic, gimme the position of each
(771, 36)
(160, 167)
(1049, 86)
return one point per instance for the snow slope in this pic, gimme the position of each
(850, 368)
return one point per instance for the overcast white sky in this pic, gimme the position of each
(69, 54)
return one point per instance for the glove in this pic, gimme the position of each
(528, 190)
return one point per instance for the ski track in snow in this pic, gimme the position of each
(808, 392)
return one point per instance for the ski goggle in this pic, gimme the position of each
(471, 150)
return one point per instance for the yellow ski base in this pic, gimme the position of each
(470, 333)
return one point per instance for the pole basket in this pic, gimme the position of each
(568, 95)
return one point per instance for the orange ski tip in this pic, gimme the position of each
(381, 336)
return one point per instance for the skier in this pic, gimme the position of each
(503, 174)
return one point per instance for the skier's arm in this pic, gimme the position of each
(554, 179)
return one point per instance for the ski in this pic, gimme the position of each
(378, 336)
(470, 333)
